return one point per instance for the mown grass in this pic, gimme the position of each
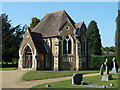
(96, 80)
(38, 75)
(10, 68)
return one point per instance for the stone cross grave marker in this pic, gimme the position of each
(101, 69)
(114, 68)
(106, 66)
(106, 76)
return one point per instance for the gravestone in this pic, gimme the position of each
(101, 69)
(114, 68)
(106, 66)
(118, 70)
(47, 85)
(77, 78)
(106, 76)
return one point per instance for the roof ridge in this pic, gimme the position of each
(54, 12)
(71, 20)
(54, 21)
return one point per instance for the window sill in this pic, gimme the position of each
(67, 61)
(83, 55)
(68, 55)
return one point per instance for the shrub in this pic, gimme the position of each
(97, 61)
(15, 60)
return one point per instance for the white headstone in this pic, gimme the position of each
(114, 68)
(101, 69)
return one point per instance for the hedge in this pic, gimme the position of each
(97, 61)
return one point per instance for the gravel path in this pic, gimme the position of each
(13, 79)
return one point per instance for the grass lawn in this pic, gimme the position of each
(96, 80)
(10, 68)
(38, 75)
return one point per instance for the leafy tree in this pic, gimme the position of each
(112, 48)
(117, 40)
(103, 49)
(11, 39)
(94, 40)
(34, 22)
(108, 49)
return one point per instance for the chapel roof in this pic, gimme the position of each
(78, 24)
(38, 42)
(51, 23)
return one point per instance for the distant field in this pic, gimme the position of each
(96, 80)
(38, 75)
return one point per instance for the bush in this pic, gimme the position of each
(15, 60)
(97, 61)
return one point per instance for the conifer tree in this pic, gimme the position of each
(117, 40)
(11, 39)
(94, 40)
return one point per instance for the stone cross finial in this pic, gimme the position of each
(113, 59)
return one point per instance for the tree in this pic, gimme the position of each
(117, 40)
(108, 49)
(11, 39)
(112, 48)
(94, 40)
(34, 22)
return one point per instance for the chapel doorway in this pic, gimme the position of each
(27, 58)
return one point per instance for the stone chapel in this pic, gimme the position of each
(56, 43)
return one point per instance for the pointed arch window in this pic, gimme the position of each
(68, 45)
(83, 47)
(64, 47)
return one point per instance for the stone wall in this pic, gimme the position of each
(27, 41)
(40, 61)
(70, 63)
(50, 42)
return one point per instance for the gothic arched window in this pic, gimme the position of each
(83, 47)
(69, 47)
(64, 47)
